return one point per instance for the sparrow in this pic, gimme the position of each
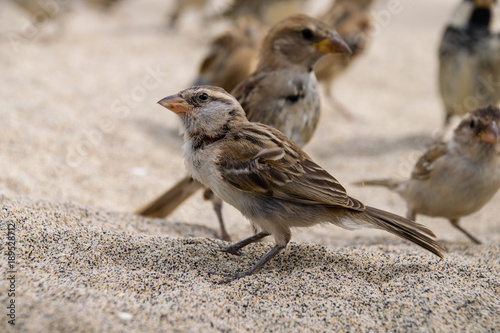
(180, 6)
(456, 178)
(103, 5)
(232, 56)
(469, 60)
(31, 7)
(268, 178)
(352, 20)
(282, 93)
(268, 12)
(48, 15)
(48, 9)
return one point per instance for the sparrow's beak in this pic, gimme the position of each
(333, 44)
(491, 133)
(483, 3)
(176, 104)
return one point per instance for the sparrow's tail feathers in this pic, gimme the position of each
(389, 183)
(166, 203)
(407, 229)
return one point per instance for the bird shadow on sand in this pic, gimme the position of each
(311, 260)
(182, 229)
(193, 230)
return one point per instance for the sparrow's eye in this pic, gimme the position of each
(203, 97)
(472, 123)
(307, 33)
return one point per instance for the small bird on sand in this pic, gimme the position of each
(457, 178)
(268, 178)
(282, 93)
(469, 60)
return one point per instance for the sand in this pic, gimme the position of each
(84, 144)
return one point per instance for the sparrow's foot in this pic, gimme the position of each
(230, 249)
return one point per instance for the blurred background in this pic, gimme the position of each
(79, 120)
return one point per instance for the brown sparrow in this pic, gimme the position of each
(352, 20)
(282, 93)
(267, 12)
(469, 60)
(180, 6)
(457, 178)
(40, 10)
(232, 56)
(102, 4)
(268, 178)
(47, 18)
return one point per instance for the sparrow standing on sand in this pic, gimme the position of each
(469, 60)
(457, 178)
(282, 93)
(268, 178)
(352, 20)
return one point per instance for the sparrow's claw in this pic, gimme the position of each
(229, 249)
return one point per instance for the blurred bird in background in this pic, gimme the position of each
(268, 12)
(469, 60)
(352, 20)
(50, 15)
(232, 56)
(457, 178)
(180, 7)
(102, 4)
(54, 8)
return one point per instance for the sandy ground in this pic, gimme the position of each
(83, 144)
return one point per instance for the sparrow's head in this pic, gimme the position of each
(299, 41)
(205, 111)
(479, 131)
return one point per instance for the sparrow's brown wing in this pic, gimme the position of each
(275, 167)
(424, 166)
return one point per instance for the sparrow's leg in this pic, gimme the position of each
(337, 105)
(217, 202)
(233, 249)
(275, 250)
(411, 214)
(174, 17)
(268, 256)
(454, 222)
